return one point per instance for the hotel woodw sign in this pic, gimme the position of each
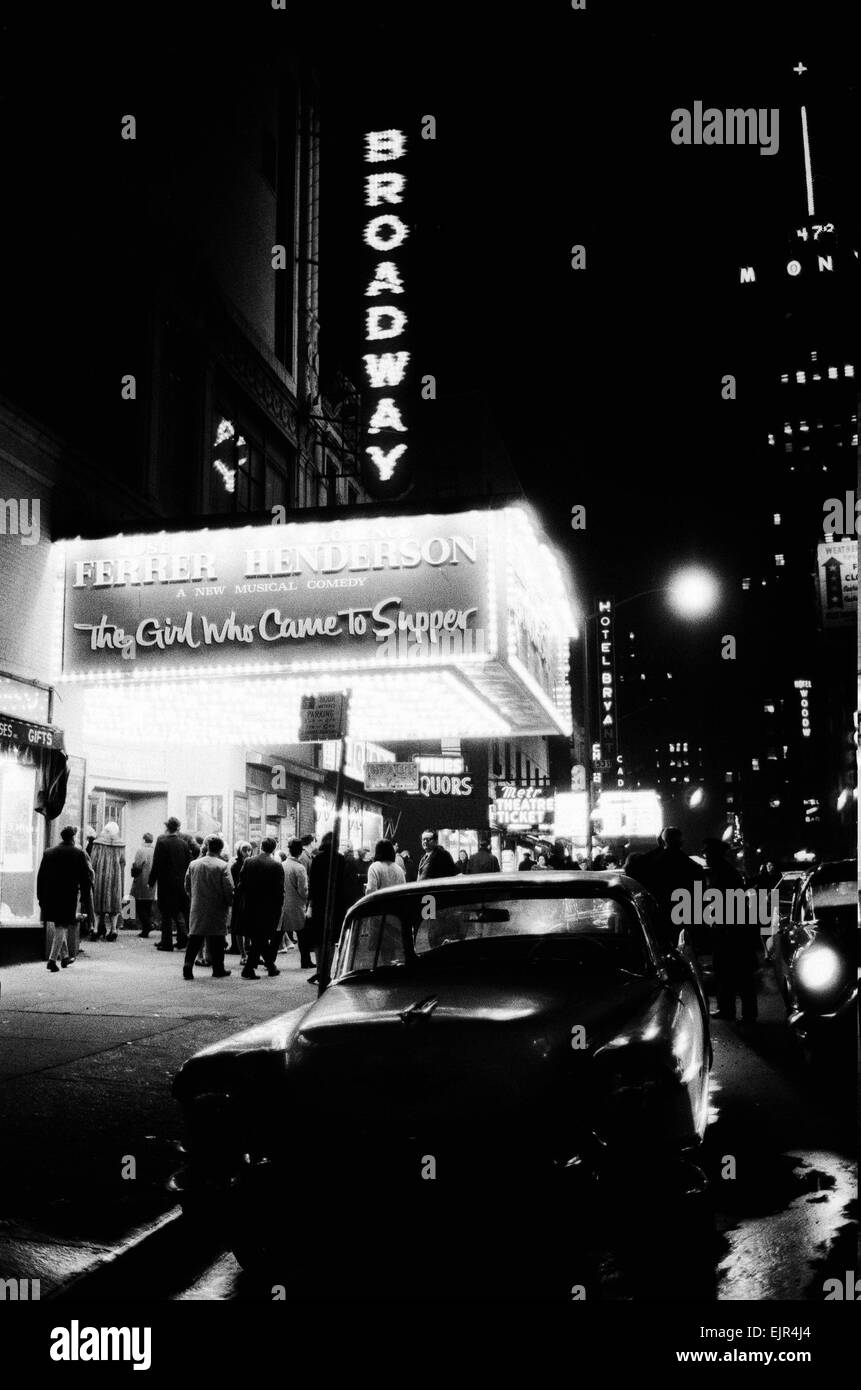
(303, 597)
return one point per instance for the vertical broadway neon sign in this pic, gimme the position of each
(385, 320)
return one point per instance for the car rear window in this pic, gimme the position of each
(415, 928)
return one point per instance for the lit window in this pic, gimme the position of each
(801, 378)
(730, 801)
(771, 439)
(754, 762)
(774, 804)
(832, 373)
(848, 370)
(784, 377)
(777, 518)
(814, 356)
(727, 777)
(779, 560)
(669, 675)
(804, 427)
(769, 709)
(745, 583)
(684, 748)
(787, 429)
(642, 676)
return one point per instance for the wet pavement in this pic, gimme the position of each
(84, 1081)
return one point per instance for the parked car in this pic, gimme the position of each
(789, 880)
(517, 1027)
(816, 956)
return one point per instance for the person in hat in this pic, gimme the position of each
(483, 861)
(64, 873)
(209, 887)
(171, 857)
(109, 861)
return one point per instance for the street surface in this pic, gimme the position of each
(86, 1059)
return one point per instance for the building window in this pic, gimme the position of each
(777, 518)
(327, 484)
(21, 842)
(754, 762)
(204, 815)
(769, 709)
(745, 583)
(269, 158)
(779, 560)
(285, 225)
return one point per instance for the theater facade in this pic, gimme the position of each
(181, 659)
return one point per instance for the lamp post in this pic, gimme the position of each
(692, 593)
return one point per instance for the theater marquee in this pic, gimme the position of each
(370, 604)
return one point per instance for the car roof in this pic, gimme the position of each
(836, 868)
(570, 878)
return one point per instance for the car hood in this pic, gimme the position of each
(455, 1053)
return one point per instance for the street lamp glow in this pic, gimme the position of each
(693, 592)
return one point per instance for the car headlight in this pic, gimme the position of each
(819, 968)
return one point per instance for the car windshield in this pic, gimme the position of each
(468, 926)
(832, 886)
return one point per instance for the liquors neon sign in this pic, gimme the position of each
(385, 319)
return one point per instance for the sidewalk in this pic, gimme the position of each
(86, 1062)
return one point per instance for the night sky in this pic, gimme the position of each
(553, 130)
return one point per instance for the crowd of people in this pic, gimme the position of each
(736, 949)
(262, 903)
(267, 901)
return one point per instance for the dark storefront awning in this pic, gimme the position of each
(41, 746)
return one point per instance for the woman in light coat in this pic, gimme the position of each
(295, 894)
(384, 871)
(109, 861)
(210, 889)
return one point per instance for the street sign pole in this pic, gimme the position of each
(324, 955)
